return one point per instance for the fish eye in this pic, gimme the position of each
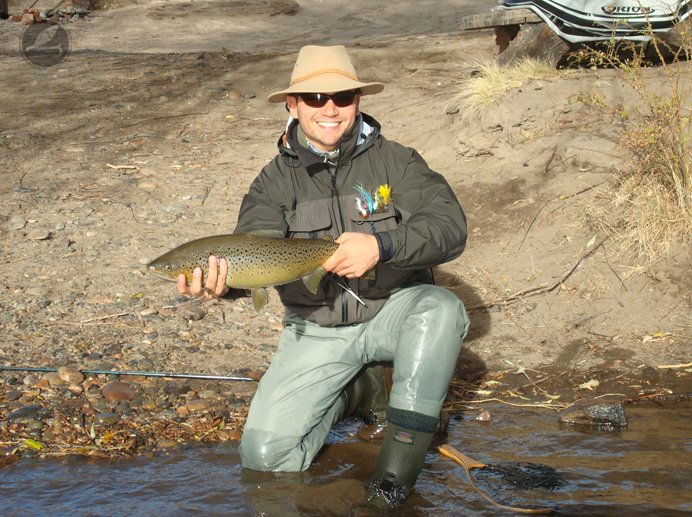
(168, 267)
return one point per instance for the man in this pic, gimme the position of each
(335, 175)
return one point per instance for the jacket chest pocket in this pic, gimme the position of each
(375, 222)
(310, 220)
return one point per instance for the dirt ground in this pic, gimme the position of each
(151, 130)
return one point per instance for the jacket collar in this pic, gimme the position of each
(363, 135)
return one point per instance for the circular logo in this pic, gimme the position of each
(45, 44)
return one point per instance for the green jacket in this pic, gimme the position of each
(299, 195)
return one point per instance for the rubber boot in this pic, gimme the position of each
(400, 462)
(367, 394)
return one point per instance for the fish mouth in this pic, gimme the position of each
(156, 271)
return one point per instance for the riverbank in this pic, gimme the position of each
(148, 135)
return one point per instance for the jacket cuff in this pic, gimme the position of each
(384, 243)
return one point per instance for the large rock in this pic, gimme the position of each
(601, 413)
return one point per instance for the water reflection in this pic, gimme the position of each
(644, 469)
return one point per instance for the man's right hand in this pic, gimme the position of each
(214, 286)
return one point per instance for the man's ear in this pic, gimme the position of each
(292, 106)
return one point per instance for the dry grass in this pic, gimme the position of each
(648, 210)
(643, 220)
(490, 82)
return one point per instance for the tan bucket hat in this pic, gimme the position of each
(324, 70)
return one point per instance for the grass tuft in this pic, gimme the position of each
(490, 82)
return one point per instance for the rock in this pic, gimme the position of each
(209, 395)
(148, 404)
(34, 425)
(197, 405)
(28, 396)
(23, 412)
(118, 390)
(70, 375)
(11, 396)
(53, 379)
(191, 311)
(30, 380)
(43, 384)
(603, 413)
(39, 234)
(17, 222)
(107, 418)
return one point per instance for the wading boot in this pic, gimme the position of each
(401, 457)
(367, 394)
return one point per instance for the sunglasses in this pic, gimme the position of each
(319, 100)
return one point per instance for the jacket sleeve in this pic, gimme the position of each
(264, 205)
(433, 225)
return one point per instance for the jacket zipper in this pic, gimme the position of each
(335, 195)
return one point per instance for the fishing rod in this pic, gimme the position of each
(202, 376)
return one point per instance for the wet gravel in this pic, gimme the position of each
(67, 412)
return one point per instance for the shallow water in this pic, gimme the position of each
(642, 470)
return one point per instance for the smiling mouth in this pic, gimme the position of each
(328, 124)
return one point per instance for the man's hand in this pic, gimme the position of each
(357, 254)
(215, 285)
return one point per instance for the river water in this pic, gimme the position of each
(644, 469)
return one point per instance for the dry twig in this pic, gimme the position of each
(540, 289)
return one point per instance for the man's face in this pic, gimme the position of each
(323, 126)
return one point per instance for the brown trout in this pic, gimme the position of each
(254, 261)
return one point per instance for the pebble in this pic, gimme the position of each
(148, 404)
(70, 375)
(100, 406)
(34, 425)
(484, 416)
(118, 391)
(17, 222)
(190, 311)
(38, 234)
(209, 395)
(53, 379)
(30, 379)
(11, 396)
(197, 405)
(23, 412)
(28, 396)
(107, 418)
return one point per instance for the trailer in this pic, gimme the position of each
(551, 30)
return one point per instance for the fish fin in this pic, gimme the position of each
(259, 298)
(277, 234)
(312, 280)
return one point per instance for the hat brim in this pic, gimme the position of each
(326, 83)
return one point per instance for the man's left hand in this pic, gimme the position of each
(357, 254)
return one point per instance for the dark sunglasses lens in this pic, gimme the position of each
(314, 100)
(344, 99)
(318, 100)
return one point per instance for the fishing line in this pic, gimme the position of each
(135, 373)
